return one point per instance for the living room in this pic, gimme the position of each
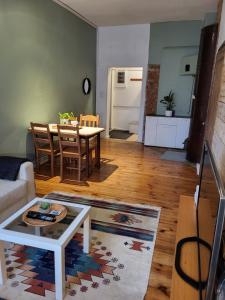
(113, 205)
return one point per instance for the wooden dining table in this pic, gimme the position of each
(86, 133)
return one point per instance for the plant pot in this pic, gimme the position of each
(64, 121)
(168, 113)
(74, 122)
(45, 210)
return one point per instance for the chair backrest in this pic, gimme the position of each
(41, 136)
(89, 120)
(69, 137)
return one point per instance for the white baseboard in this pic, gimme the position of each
(196, 195)
(198, 169)
(197, 186)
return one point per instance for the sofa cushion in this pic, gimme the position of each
(11, 191)
(10, 166)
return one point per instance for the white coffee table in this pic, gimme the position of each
(12, 231)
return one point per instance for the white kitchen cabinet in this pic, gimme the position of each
(168, 132)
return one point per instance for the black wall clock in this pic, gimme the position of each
(86, 86)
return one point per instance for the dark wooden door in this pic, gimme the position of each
(202, 91)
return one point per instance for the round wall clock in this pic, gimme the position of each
(86, 86)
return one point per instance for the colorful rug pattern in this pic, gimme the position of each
(117, 266)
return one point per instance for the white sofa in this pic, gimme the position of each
(14, 194)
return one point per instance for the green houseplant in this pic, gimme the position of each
(169, 103)
(45, 207)
(66, 117)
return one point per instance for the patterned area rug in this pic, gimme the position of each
(117, 267)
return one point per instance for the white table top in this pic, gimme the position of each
(83, 132)
(31, 239)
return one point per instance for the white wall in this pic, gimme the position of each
(126, 100)
(120, 46)
(221, 37)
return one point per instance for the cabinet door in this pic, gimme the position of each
(182, 132)
(150, 131)
(166, 136)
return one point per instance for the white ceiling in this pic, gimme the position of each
(122, 12)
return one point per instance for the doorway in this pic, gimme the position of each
(124, 102)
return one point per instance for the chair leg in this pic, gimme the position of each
(37, 161)
(96, 151)
(91, 160)
(61, 168)
(79, 168)
(52, 165)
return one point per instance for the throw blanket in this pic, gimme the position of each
(10, 166)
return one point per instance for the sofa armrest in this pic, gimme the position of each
(26, 173)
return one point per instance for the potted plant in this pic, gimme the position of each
(45, 207)
(73, 121)
(169, 102)
(65, 117)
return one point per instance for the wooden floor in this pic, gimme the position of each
(136, 174)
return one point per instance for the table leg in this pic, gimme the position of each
(86, 235)
(87, 155)
(37, 230)
(59, 273)
(98, 150)
(3, 273)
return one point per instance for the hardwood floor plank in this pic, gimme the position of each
(133, 173)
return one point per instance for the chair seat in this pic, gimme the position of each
(55, 151)
(71, 151)
(46, 149)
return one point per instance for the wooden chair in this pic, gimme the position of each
(89, 120)
(71, 149)
(44, 144)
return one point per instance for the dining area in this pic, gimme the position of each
(73, 146)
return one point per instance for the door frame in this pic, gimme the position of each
(142, 104)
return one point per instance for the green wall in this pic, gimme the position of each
(169, 42)
(46, 51)
(210, 18)
(170, 79)
(172, 34)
